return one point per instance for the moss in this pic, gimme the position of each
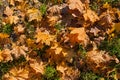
(51, 73)
(7, 29)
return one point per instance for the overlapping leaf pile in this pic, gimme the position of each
(59, 40)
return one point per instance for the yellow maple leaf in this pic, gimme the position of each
(44, 38)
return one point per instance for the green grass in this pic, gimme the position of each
(59, 26)
(7, 29)
(51, 73)
(43, 9)
(112, 46)
(89, 76)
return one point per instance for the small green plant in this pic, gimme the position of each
(59, 26)
(81, 50)
(7, 29)
(43, 9)
(112, 46)
(89, 76)
(51, 73)
(42, 51)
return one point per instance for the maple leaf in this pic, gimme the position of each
(19, 29)
(8, 11)
(90, 15)
(78, 35)
(17, 74)
(11, 19)
(17, 51)
(34, 14)
(44, 38)
(37, 66)
(52, 20)
(76, 7)
(98, 60)
(6, 55)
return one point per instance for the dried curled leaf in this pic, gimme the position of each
(34, 14)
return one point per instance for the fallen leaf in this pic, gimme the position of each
(34, 14)
(8, 11)
(78, 35)
(44, 38)
(17, 51)
(91, 16)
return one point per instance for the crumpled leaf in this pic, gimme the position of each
(17, 51)
(34, 14)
